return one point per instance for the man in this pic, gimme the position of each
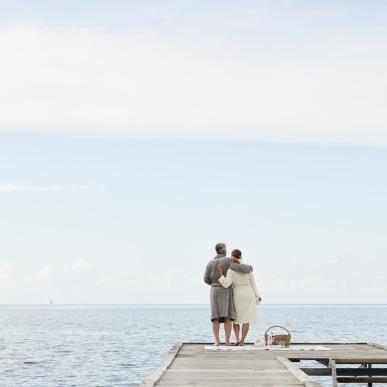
(222, 299)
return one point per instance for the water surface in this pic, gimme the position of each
(118, 345)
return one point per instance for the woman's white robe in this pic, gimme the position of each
(245, 294)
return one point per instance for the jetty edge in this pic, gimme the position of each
(201, 364)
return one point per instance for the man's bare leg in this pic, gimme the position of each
(215, 330)
(227, 330)
(237, 330)
(245, 331)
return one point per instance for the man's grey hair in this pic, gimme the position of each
(220, 248)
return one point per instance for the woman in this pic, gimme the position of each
(245, 296)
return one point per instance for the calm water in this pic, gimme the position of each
(118, 345)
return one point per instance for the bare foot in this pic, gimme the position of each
(228, 344)
(217, 343)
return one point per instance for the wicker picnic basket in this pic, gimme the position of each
(277, 339)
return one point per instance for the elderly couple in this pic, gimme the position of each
(235, 303)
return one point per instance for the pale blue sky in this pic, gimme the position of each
(136, 135)
(136, 221)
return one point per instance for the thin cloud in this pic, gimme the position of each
(47, 272)
(6, 271)
(76, 269)
(10, 188)
(81, 266)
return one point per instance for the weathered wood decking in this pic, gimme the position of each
(190, 364)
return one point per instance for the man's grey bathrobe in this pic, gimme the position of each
(222, 299)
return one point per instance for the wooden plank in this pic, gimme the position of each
(253, 384)
(361, 361)
(195, 343)
(360, 379)
(244, 383)
(232, 371)
(219, 378)
(189, 364)
(297, 373)
(152, 379)
(378, 346)
(332, 366)
(322, 371)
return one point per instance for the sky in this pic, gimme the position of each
(134, 136)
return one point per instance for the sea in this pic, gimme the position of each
(119, 345)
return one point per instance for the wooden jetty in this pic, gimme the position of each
(199, 364)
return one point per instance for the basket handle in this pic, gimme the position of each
(277, 326)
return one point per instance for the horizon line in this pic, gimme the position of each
(187, 304)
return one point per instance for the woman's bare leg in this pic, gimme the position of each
(215, 330)
(237, 330)
(245, 331)
(227, 330)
